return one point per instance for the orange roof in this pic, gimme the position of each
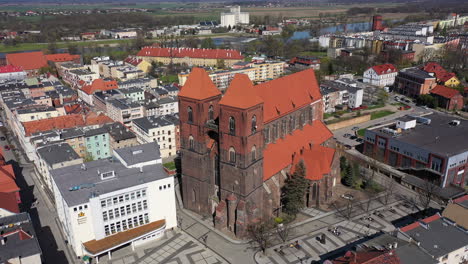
(100, 85)
(440, 73)
(317, 161)
(8, 201)
(7, 179)
(60, 57)
(240, 93)
(279, 155)
(27, 60)
(446, 76)
(286, 94)
(199, 85)
(10, 68)
(416, 224)
(445, 91)
(60, 122)
(226, 54)
(97, 119)
(97, 246)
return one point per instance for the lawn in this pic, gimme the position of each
(375, 106)
(314, 53)
(361, 132)
(170, 165)
(380, 114)
(169, 78)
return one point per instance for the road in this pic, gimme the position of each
(43, 215)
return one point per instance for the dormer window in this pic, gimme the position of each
(107, 175)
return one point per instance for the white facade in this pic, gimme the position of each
(234, 17)
(355, 98)
(165, 135)
(406, 124)
(20, 75)
(381, 80)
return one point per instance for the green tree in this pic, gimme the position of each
(220, 64)
(207, 43)
(72, 48)
(294, 190)
(52, 47)
(343, 163)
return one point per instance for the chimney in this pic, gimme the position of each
(2, 240)
(395, 244)
(141, 169)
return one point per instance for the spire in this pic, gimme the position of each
(241, 93)
(199, 86)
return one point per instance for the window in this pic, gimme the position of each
(134, 208)
(190, 114)
(211, 113)
(232, 126)
(127, 208)
(254, 124)
(191, 143)
(121, 199)
(103, 203)
(143, 193)
(106, 230)
(114, 200)
(127, 197)
(140, 207)
(132, 195)
(138, 194)
(232, 155)
(111, 215)
(104, 216)
(122, 210)
(145, 204)
(254, 153)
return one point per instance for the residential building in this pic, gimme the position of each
(97, 144)
(448, 98)
(19, 240)
(258, 133)
(86, 92)
(133, 93)
(139, 63)
(410, 31)
(11, 72)
(60, 58)
(234, 17)
(143, 83)
(127, 72)
(105, 204)
(190, 56)
(160, 129)
(380, 75)
(331, 97)
(52, 157)
(435, 144)
(64, 68)
(452, 20)
(119, 33)
(349, 94)
(443, 77)
(36, 112)
(306, 62)
(414, 82)
(439, 237)
(168, 105)
(30, 62)
(75, 137)
(120, 136)
(124, 110)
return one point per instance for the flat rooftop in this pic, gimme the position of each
(438, 137)
(88, 176)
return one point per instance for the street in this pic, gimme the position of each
(43, 214)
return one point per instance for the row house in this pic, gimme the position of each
(380, 75)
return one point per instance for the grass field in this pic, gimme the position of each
(380, 114)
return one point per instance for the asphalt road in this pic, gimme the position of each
(43, 215)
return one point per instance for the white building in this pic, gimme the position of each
(109, 203)
(235, 17)
(380, 75)
(161, 129)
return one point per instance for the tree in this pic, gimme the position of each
(220, 64)
(294, 190)
(284, 230)
(260, 234)
(427, 193)
(348, 178)
(72, 48)
(207, 43)
(389, 186)
(52, 47)
(382, 97)
(139, 42)
(191, 42)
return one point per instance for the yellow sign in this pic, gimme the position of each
(81, 214)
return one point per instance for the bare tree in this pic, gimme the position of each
(346, 210)
(260, 234)
(389, 186)
(427, 193)
(284, 231)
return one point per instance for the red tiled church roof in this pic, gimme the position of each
(61, 57)
(280, 154)
(240, 93)
(384, 68)
(226, 54)
(445, 91)
(10, 68)
(27, 60)
(284, 95)
(7, 179)
(100, 85)
(317, 161)
(199, 86)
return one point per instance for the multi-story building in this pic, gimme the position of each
(237, 148)
(142, 83)
(97, 144)
(30, 62)
(190, 56)
(54, 156)
(443, 76)
(168, 105)
(442, 239)
(134, 94)
(86, 93)
(234, 17)
(160, 129)
(19, 241)
(306, 62)
(331, 97)
(434, 143)
(414, 82)
(448, 98)
(347, 93)
(120, 136)
(124, 110)
(127, 72)
(105, 204)
(380, 75)
(75, 137)
(10, 72)
(410, 31)
(119, 33)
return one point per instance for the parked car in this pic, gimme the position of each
(7, 147)
(355, 128)
(347, 196)
(347, 135)
(2, 138)
(360, 140)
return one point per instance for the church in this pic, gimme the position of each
(237, 149)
